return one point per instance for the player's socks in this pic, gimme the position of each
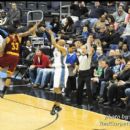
(59, 98)
(53, 111)
(56, 107)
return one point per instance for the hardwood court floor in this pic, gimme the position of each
(23, 112)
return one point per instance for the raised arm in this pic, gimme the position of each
(31, 30)
(62, 49)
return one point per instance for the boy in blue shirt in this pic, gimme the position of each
(72, 63)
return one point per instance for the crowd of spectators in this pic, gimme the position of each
(98, 45)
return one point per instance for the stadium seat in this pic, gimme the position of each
(32, 5)
(21, 5)
(24, 16)
(8, 5)
(42, 7)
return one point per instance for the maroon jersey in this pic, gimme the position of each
(11, 56)
(13, 44)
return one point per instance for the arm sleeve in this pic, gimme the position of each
(107, 77)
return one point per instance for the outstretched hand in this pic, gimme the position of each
(42, 29)
(36, 25)
(50, 31)
(38, 22)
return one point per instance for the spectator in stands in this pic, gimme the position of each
(40, 60)
(29, 45)
(44, 78)
(125, 51)
(97, 10)
(85, 33)
(98, 71)
(111, 57)
(55, 25)
(68, 29)
(98, 43)
(120, 44)
(117, 52)
(110, 7)
(100, 23)
(127, 18)
(102, 34)
(126, 33)
(13, 14)
(27, 50)
(119, 17)
(99, 52)
(102, 81)
(113, 36)
(79, 9)
(117, 68)
(94, 14)
(110, 19)
(72, 62)
(117, 88)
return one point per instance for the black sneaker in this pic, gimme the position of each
(58, 108)
(53, 111)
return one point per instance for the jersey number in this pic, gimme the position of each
(15, 46)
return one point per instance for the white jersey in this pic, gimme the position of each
(61, 70)
(59, 59)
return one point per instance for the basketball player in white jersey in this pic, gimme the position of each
(61, 70)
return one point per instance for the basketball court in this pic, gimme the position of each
(24, 112)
